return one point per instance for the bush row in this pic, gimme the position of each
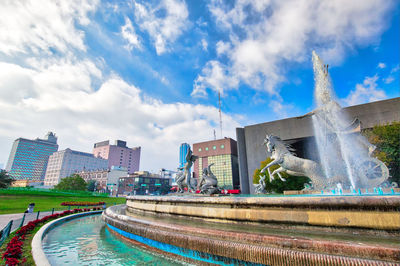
(82, 203)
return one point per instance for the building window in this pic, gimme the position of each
(214, 147)
(206, 148)
(199, 149)
(222, 146)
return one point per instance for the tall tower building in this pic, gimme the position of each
(223, 153)
(118, 154)
(67, 162)
(183, 149)
(28, 158)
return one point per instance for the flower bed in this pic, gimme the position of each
(82, 203)
(13, 253)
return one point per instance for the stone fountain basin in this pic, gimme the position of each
(273, 230)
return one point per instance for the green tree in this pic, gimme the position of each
(91, 185)
(277, 185)
(73, 182)
(387, 140)
(5, 180)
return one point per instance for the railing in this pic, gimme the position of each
(27, 217)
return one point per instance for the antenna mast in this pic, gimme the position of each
(220, 116)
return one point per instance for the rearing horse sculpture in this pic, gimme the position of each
(282, 155)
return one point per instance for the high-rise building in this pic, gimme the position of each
(183, 149)
(67, 162)
(118, 154)
(223, 153)
(28, 158)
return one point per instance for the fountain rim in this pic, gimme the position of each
(312, 201)
(39, 257)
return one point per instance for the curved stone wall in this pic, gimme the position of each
(367, 212)
(167, 220)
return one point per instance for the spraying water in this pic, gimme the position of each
(341, 153)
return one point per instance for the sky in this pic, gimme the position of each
(149, 72)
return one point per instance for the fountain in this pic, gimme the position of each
(341, 152)
(320, 229)
(289, 230)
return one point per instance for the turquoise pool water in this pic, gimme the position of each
(87, 241)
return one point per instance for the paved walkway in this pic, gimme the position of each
(17, 217)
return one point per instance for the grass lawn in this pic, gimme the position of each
(18, 202)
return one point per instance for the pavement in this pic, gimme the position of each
(17, 217)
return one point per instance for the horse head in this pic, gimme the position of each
(269, 143)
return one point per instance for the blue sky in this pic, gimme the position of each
(149, 72)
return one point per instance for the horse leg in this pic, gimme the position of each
(274, 162)
(277, 171)
(271, 177)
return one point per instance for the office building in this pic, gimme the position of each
(106, 179)
(144, 183)
(183, 150)
(67, 162)
(118, 154)
(28, 158)
(223, 153)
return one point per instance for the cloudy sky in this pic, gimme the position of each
(149, 72)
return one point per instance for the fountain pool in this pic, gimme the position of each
(87, 241)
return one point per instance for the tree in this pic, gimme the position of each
(277, 185)
(5, 180)
(91, 185)
(387, 140)
(73, 182)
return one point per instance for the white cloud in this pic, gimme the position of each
(381, 65)
(32, 27)
(164, 22)
(117, 110)
(218, 77)
(74, 96)
(266, 35)
(129, 34)
(389, 79)
(222, 47)
(366, 92)
(204, 44)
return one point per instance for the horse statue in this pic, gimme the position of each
(208, 182)
(260, 187)
(190, 159)
(283, 155)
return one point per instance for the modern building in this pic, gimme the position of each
(299, 133)
(143, 183)
(28, 158)
(183, 150)
(118, 154)
(223, 153)
(67, 162)
(106, 179)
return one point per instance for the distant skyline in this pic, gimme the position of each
(149, 72)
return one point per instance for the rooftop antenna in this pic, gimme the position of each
(220, 116)
(215, 136)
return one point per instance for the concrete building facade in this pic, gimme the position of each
(223, 153)
(298, 131)
(28, 158)
(67, 162)
(118, 154)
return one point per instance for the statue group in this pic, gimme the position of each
(208, 183)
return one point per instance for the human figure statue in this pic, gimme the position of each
(180, 177)
(260, 187)
(209, 182)
(190, 159)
